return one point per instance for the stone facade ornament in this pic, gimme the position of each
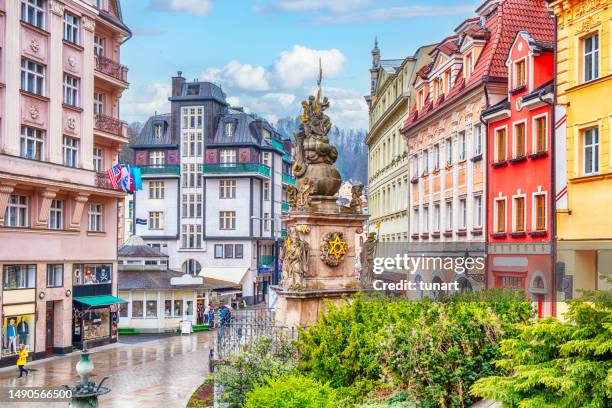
(367, 262)
(71, 122)
(333, 248)
(72, 61)
(57, 7)
(299, 197)
(34, 112)
(295, 254)
(356, 192)
(89, 24)
(34, 46)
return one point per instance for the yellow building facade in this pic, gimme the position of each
(583, 121)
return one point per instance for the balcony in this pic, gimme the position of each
(283, 233)
(285, 206)
(111, 125)
(287, 179)
(102, 181)
(266, 260)
(163, 170)
(111, 68)
(236, 168)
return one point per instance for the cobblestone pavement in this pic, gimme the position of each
(161, 372)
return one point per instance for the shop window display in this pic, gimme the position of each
(19, 276)
(91, 274)
(17, 330)
(96, 323)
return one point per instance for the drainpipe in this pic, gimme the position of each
(553, 175)
(485, 198)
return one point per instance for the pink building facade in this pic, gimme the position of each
(60, 86)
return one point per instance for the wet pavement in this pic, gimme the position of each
(148, 371)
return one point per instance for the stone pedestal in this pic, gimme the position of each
(322, 281)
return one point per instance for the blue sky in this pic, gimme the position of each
(264, 53)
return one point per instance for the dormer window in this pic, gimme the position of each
(228, 129)
(193, 89)
(266, 135)
(469, 65)
(420, 100)
(157, 130)
(519, 74)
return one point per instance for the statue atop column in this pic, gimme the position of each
(295, 260)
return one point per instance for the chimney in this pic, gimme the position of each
(177, 84)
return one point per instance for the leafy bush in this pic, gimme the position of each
(557, 364)
(291, 391)
(266, 359)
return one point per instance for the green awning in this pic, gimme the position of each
(101, 300)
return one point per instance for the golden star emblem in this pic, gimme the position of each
(337, 247)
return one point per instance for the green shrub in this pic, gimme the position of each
(291, 391)
(551, 363)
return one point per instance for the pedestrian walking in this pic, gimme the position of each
(211, 316)
(22, 360)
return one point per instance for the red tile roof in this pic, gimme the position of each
(502, 25)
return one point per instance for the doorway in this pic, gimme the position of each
(49, 332)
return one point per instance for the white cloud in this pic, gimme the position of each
(233, 100)
(238, 77)
(300, 63)
(392, 13)
(194, 7)
(139, 104)
(334, 6)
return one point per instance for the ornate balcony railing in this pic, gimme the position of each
(110, 125)
(287, 179)
(111, 68)
(102, 181)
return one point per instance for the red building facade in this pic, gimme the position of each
(519, 216)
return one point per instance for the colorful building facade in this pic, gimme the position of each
(519, 171)
(59, 104)
(447, 141)
(583, 168)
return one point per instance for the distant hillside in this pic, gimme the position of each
(352, 151)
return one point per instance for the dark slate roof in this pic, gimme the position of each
(500, 106)
(129, 280)
(147, 137)
(199, 91)
(248, 130)
(542, 90)
(135, 247)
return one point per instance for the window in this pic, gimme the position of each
(157, 130)
(191, 175)
(500, 141)
(192, 205)
(519, 74)
(157, 158)
(156, 190)
(91, 274)
(228, 251)
(415, 221)
(178, 307)
(478, 211)
(71, 90)
(151, 308)
(19, 276)
(519, 140)
(227, 220)
(500, 215)
(71, 27)
(266, 190)
(227, 188)
(540, 212)
(16, 214)
(590, 48)
(415, 166)
(436, 157)
(192, 117)
(449, 151)
(32, 77)
(99, 45)
(156, 220)
(70, 150)
(519, 214)
(191, 266)
(56, 215)
(461, 145)
(449, 215)
(469, 64)
(97, 159)
(98, 103)
(228, 129)
(137, 308)
(227, 157)
(477, 134)
(218, 251)
(191, 236)
(238, 251)
(55, 275)
(540, 132)
(462, 213)
(266, 134)
(511, 282)
(437, 217)
(192, 144)
(266, 221)
(33, 12)
(425, 219)
(123, 308)
(425, 161)
(591, 151)
(95, 217)
(266, 159)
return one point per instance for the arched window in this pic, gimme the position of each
(192, 267)
(464, 285)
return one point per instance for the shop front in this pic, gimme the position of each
(95, 309)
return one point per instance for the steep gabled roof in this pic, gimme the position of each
(147, 136)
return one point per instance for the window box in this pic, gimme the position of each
(414, 180)
(499, 235)
(476, 158)
(538, 233)
(538, 155)
(415, 236)
(462, 232)
(518, 159)
(518, 234)
(500, 164)
(448, 234)
(425, 235)
(435, 234)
